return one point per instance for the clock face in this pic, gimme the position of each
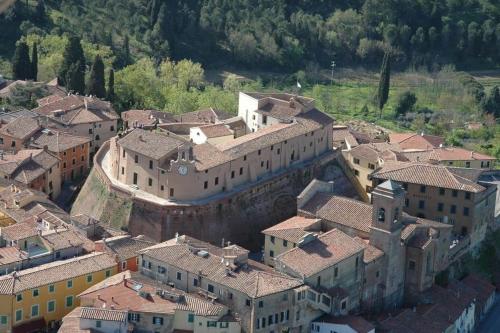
(183, 170)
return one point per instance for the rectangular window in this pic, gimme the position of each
(162, 188)
(123, 170)
(69, 301)
(171, 192)
(150, 182)
(19, 315)
(272, 239)
(135, 317)
(440, 206)
(36, 292)
(241, 171)
(259, 152)
(336, 272)
(421, 204)
(467, 195)
(135, 179)
(195, 282)
(69, 284)
(466, 211)
(179, 276)
(442, 191)
(454, 193)
(411, 265)
(422, 189)
(98, 323)
(51, 306)
(89, 278)
(190, 318)
(356, 160)
(285, 243)
(261, 304)
(271, 254)
(453, 209)
(3, 320)
(151, 164)
(157, 321)
(136, 159)
(371, 166)
(108, 273)
(232, 174)
(205, 185)
(216, 181)
(278, 151)
(35, 310)
(211, 323)
(407, 202)
(210, 288)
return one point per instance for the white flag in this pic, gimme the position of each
(298, 85)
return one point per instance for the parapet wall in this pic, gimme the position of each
(237, 218)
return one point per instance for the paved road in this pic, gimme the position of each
(491, 324)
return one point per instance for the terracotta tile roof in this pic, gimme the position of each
(209, 115)
(121, 292)
(151, 144)
(11, 254)
(483, 287)
(371, 253)
(418, 156)
(344, 211)
(357, 323)
(83, 220)
(379, 150)
(250, 279)
(27, 165)
(427, 174)
(126, 247)
(19, 231)
(457, 154)
(325, 251)
(103, 314)
(57, 141)
(294, 228)
(62, 238)
(20, 128)
(138, 118)
(54, 272)
(343, 134)
(413, 141)
(73, 109)
(440, 309)
(215, 130)
(207, 156)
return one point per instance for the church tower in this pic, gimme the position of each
(385, 234)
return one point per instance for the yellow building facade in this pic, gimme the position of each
(42, 296)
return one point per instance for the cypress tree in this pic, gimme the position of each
(34, 62)
(21, 66)
(75, 78)
(40, 11)
(111, 86)
(126, 51)
(384, 84)
(73, 53)
(96, 84)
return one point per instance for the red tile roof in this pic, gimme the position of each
(294, 228)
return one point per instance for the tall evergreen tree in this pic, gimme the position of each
(75, 78)
(21, 66)
(126, 51)
(111, 86)
(96, 85)
(40, 11)
(34, 62)
(73, 53)
(384, 83)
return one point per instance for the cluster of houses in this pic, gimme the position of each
(421, 206)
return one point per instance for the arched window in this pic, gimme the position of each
(396, 215)
(381, 215)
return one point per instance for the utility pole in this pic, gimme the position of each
(333, 67)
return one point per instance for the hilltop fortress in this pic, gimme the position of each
(208, 175)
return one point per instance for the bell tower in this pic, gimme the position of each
(385, 234)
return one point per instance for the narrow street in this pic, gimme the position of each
(491, 324)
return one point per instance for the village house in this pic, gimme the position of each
(73, 151)
(39, 297)
(80, 116)
(354, 253)
(450, 309)
(146, 119)
(16, 134)
(158, 162)
(125, 248)
(263, 300)
(38, 169)
(454, 196)
(155, 307)
(88, 319)
(415, 141)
